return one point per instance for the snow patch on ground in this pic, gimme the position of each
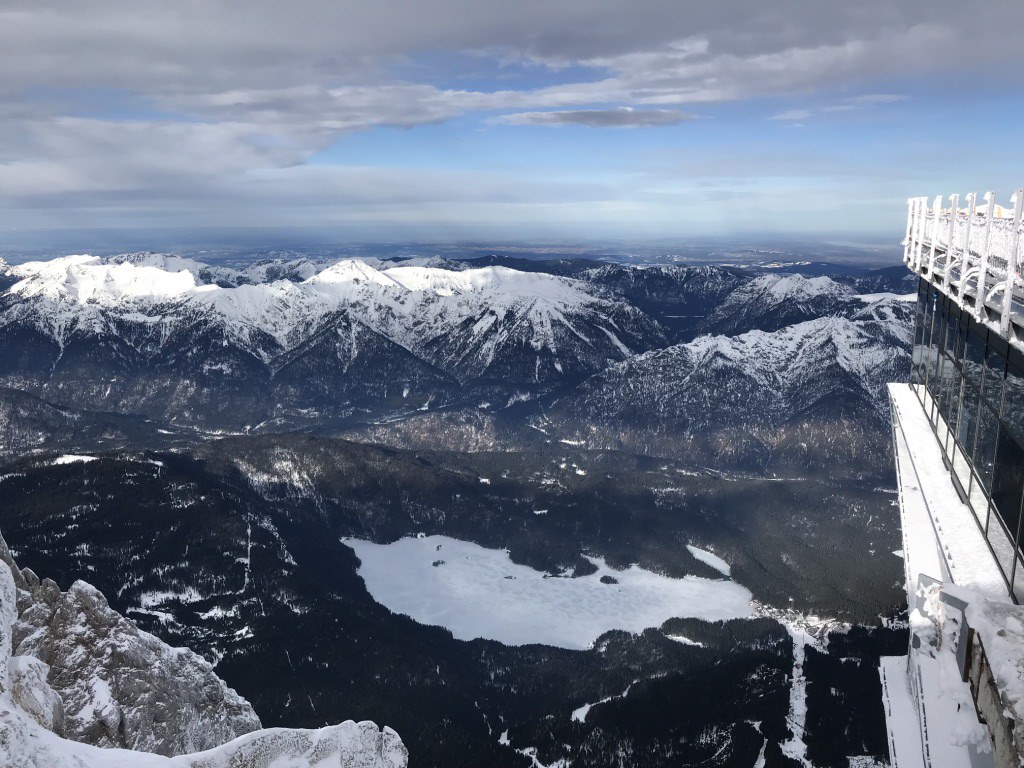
(795, 747)
(871, 298)
(71, 458)
(685, 641)
(710, 558)
(480, 593)
(579, 715)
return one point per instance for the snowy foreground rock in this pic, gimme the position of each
(72, 667)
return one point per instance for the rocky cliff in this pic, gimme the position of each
(76, 676)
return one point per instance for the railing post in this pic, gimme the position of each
(1012, 265)
(954, 211)
(965, 265)
(922, 206)
(936, 216)
(907, 242)
(990, 212)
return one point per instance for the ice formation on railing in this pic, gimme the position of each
(973, 254)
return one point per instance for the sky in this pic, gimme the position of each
(549, 120)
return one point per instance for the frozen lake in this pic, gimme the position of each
(479, 592)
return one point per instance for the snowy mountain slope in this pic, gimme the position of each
(757, 386)
(410, 305)
(389, 350)
(678, 297)
(28, 423)
(539, 327)
(721, 379)
(185, 523)
(262, 271)
(204, 274)
(138, 338)
(71, 667)
(771, 302)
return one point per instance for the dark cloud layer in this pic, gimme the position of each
(621, 117)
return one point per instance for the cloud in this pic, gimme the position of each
(619, 117)
(792, 114)
(123, 104)
(850, 104)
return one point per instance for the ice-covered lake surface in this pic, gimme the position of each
(478, 592)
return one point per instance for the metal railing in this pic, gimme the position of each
(973, 254)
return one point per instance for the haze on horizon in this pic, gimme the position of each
(447, 120)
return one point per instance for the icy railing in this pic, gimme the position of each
(973, 254)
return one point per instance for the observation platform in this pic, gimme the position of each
(973, 255)
(957, 698)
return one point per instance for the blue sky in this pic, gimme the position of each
(451, 120)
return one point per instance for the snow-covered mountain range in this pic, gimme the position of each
(142, 345)
(829, 362)
(771, 302)
(558, 410)
(146, 339)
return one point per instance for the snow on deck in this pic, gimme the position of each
(929, 712)
(905, 748)
(941, 537)
(480, 593)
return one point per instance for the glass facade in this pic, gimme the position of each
(971, 384)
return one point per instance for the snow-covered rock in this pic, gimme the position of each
(31, 690)
(24, 744)
(118, 686)
(81, 686)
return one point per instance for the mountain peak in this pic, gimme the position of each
(85, 279)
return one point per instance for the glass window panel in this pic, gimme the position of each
(917, 364)
(931, 378)
(979, 502)
(949, 341)
(1013, 401)
(1008, 481)
(1018, 580)
(938, 381)
(934, 378)
(974, 359)
(968, 419)
(961, 468)
(995, 370)
(1002, 547)
(952, 414)
(919, 320)
(985, 447)
(927, 336)
(917, 360)
(961, 341)
(950, 382)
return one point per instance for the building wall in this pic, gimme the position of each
(971, 383)
(992, 709)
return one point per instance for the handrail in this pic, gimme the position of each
(973, 254)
